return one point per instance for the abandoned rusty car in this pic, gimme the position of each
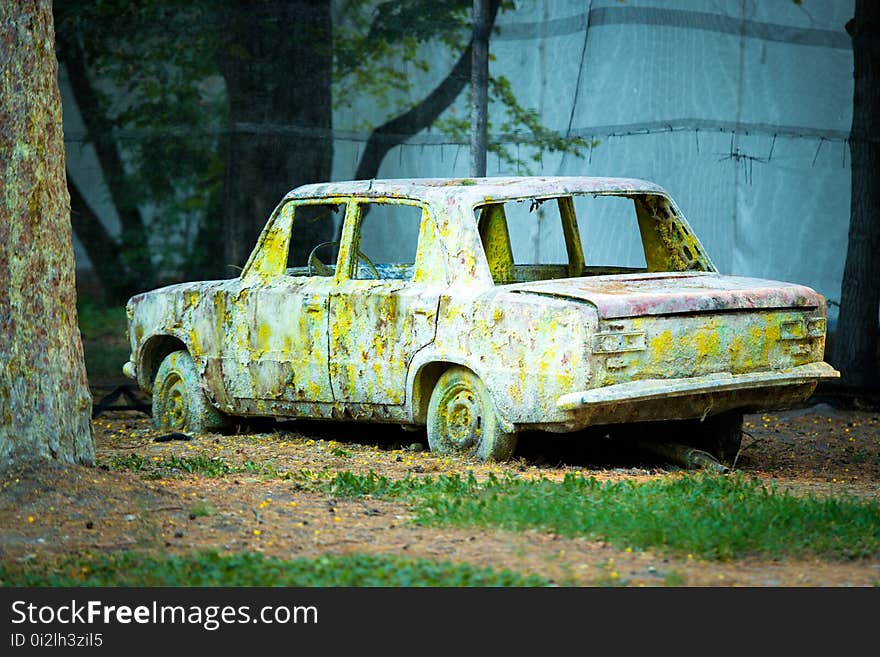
(479, 308)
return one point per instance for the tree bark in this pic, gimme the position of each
(45, 404)
(855, 344)
(278, 72)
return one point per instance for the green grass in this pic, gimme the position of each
(99, 321)
(201, 509)
(707, 515)
(214, 466)
(674, 578)
(250, 569)
(710, 516)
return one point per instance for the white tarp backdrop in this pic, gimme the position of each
(741, 109)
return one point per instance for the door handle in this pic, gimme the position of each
(313, 305)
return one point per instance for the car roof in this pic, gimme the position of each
(476, 190)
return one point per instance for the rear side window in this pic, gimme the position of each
(609, 230)
(536, 235)
(546, 238)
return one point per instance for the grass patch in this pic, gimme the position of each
(99, 321)
(253, 569)
(131, 463)
(674, 578)
(712, 516)
(214, 466)
(201, 509)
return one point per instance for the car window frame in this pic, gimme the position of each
(265, 260)
(572, 231)
(351, 235)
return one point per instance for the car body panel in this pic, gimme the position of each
(633, 295)
(377, 327)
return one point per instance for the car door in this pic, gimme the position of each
(278, 321)
(383, 308)
(288, 340)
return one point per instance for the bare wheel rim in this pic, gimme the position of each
(175, 407)
(461, 417)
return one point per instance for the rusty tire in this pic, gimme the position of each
(462, 419)
(720, 435)
(179, 403)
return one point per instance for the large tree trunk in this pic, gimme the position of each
(45, 404)
(855, 345)
(278, 72)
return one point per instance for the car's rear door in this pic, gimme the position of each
(384, 308)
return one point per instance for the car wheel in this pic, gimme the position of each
(179, 403)
(721, 436)
(462, 419)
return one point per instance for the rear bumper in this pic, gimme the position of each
(655, 389)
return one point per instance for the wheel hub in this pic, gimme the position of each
(463, 420)
(176, 410)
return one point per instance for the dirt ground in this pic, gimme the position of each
(49, 512)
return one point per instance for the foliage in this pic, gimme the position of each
(157, 68)
(254, 569)
(98, 321)
(394, 34)
(713, 516)
(104, 334)
(153, 65)
(519, 124)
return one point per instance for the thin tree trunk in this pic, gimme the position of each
(102, 248)
(855, 345)
(270, 45)
(421, 116)
(45, 404)
(480, 88)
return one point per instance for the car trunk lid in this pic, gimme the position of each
(636, 295)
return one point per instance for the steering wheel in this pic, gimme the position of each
(318, 268)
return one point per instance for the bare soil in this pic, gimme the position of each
(49, 511)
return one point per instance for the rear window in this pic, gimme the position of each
(585, 235)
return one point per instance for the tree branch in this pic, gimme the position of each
(98, 130)
(422, 115)
(99, 244)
